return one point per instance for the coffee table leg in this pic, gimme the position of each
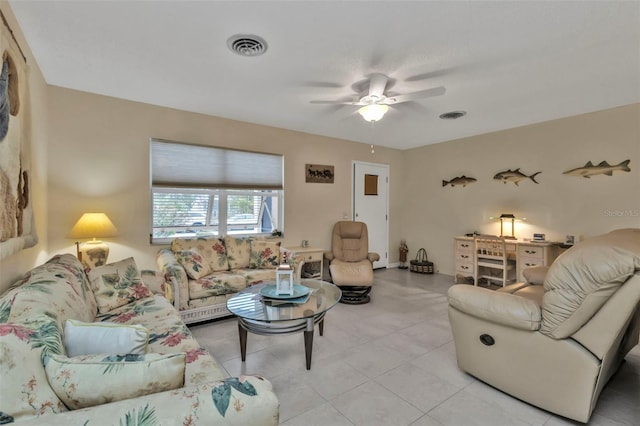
(243, 341)
(308, 342)
(321, 327)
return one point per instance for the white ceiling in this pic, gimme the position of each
(507, 64)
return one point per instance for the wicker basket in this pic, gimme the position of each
(421, 264)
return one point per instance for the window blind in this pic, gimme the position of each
(181, 165)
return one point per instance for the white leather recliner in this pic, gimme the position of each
(555, 341)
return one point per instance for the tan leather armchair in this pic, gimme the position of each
(350, 263)
(556, 341)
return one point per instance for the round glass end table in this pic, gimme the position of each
(267, 316)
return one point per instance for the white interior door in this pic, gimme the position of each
(371, 205)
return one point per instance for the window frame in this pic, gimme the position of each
(222, 192)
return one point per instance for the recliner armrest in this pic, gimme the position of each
(328, 255)
(501, 308)
(373, 257)
(535, 274)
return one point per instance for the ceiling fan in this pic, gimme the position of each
(375, 104)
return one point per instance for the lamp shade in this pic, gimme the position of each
(373, 112)
(93, 225)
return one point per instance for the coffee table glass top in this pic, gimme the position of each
(250, 304)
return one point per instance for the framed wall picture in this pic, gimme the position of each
(318, 173)
(370, 184)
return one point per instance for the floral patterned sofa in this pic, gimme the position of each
(207, 271)
(174, 381)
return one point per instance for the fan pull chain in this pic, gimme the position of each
(373, 135)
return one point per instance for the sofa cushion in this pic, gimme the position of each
(156, 283)
(168, 334)
(88, 380)
(212, 250)
(194, 263)
(219, 283)
(584, 277)
(58, 288)
(117, 284)
(24, 390)
(83, 338)
(264, 254)
(256, 276)
(238, 252)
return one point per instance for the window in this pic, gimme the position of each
(205, 191)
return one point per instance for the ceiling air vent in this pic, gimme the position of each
(247, 45)
(452, 115)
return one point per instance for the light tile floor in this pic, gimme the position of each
(392, 362)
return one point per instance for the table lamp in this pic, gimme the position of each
(93, 225)
(507, 225)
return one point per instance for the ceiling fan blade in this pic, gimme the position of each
(436, 91)
(345, 101)
(377, 84)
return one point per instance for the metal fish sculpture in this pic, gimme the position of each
(460, 180)
(601, 169)
(514, 176)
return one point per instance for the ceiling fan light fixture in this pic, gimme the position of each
(373, 112)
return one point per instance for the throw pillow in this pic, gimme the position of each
(217, 254)
(154, 280)
(238, 252)
(84, 338)
(117, 284)
(264, 254)
(24, 391)
(193, 263)
(90, 380)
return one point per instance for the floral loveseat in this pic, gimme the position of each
(172, 381)
(207, 271)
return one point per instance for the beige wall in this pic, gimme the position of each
(12, 267)
(90, 152)
(99, 160)
(557, 206)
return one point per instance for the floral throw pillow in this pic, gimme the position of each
(193, 263)
(117, 284)
(88, 380)
(238, 252)
(264, 254)
(218, 256)
(24, 390)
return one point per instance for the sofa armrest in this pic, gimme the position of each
(175, 274)
(373, 257)
(244, 400)
(501, 308)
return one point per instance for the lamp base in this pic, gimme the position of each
(93, 254)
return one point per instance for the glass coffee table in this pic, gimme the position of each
(261, 315)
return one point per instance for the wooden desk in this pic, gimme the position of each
(526, 254)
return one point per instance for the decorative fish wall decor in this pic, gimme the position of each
(460, 180)
(514, 176)
(601, 169)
